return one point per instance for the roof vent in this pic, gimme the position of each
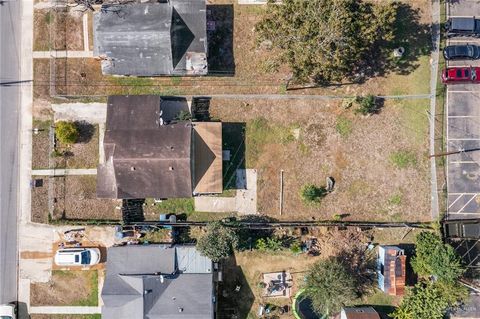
(147, 291)
(170, 168)
(132, 168)
(180, 309)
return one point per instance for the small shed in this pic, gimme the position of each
(391, 270)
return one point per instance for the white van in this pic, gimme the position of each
(8, 311)
(77, 257)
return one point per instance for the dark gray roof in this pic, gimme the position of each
(144, 159)
(132, 290)
(148, 39)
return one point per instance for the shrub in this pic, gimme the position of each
(268, 244)
(312, 194)
(66, 132)
(366, 105)
(218, 242)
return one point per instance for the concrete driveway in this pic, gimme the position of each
(463, 130)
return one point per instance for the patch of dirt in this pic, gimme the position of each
(359, 163)
(40, 201)
(41, 144)
(64, 288)
(76, 198)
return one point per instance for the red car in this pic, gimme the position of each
(461, 75)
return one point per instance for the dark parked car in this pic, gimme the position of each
(461, 75)
(461, 52)
(463, 27)
(462, 228)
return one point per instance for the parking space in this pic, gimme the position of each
(463, 130)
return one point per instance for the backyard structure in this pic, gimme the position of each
(150, 39)
(359, 313)
(176, 282)
(277, 284)
(391, 269)
(150, 154)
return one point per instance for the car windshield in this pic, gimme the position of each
(467, 73)
(86, 258)
(459, 73)
(5, 317)
(469, 50)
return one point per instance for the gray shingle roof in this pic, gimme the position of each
(148, 39)
(132, 290)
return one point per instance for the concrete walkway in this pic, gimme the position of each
(77, 310)
(62, 54)
(433, 91)
(244, 202)
(64, 171)
(95, 113)
(86, 45)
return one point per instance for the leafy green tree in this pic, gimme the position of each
(433, 257)
(218, 242)
(66, 132)
(424, 301)
(328, 40)
(312, 194)
(330, 286)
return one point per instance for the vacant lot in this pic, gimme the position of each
(250, 67)
(66, 288)
(75, 198)
(57, 29)
(379, 162)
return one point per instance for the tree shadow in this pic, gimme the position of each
(248, 237)
(220, 26)
(85, 131)
(132, 211)
(361, 263)
(233, 140)
(409, 33)
(235, 297)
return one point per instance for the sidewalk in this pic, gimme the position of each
(64, 171)
(62, 54)
(66, 310)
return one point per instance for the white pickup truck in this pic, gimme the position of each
(8, 311)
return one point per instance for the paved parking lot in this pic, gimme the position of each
(463, 130)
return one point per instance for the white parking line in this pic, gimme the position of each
(462, 194)
(463, 116)
(463, 162)
(463, 91)
(473, 197)
(463, 139)
(455, 201)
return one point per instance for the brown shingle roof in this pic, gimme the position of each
(143, 158)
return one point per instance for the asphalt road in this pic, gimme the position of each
(9, 141)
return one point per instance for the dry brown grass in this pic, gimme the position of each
(76, 199)
(368, 186)
(66, 288)
(39, 212)
(57, 29)
(41, 145)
